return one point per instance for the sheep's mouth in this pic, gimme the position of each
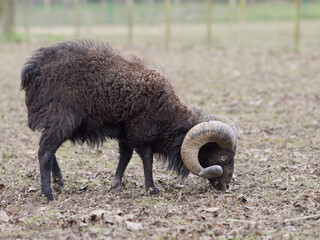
(219, 184)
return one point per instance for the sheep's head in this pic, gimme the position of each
(208, 150)
(212, 155)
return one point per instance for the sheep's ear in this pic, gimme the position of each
(199, 135)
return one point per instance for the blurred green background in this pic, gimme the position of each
(267, 24)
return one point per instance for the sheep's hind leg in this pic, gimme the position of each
(147, 159)
(59, 126)
(57, 176)
(125, 156)
(46, 155)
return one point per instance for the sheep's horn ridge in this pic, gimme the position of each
(220, 118)
(202, 133)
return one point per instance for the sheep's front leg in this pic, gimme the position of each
(125, 156)
(147, 159)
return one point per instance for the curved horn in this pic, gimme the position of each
(220, 118)
(199, 135)
(211, 172)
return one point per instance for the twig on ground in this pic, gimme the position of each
(240, 221)
(303, 218)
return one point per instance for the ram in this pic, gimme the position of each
(87, 93)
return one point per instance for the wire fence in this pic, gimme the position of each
(173, 22)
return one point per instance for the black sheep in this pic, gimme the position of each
(86, 92)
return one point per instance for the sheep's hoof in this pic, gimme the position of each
(48, 196)
(116, 186)
(117, 190)
(153, 190)
(57, 187)
(58, 181)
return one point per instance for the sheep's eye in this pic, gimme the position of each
(224, 159)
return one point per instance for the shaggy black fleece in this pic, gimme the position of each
(86, 92)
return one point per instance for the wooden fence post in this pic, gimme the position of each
(242, 7)
(8, 12)
(47, 8)
(77, 17)
(130, 4)
(167, 23)
(26, 16)
(1, 8)
(209, 21)
(297, 25)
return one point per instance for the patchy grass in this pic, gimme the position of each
(273, 97)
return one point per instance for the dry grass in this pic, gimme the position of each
(272, 96)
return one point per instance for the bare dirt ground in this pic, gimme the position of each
(274, 99)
